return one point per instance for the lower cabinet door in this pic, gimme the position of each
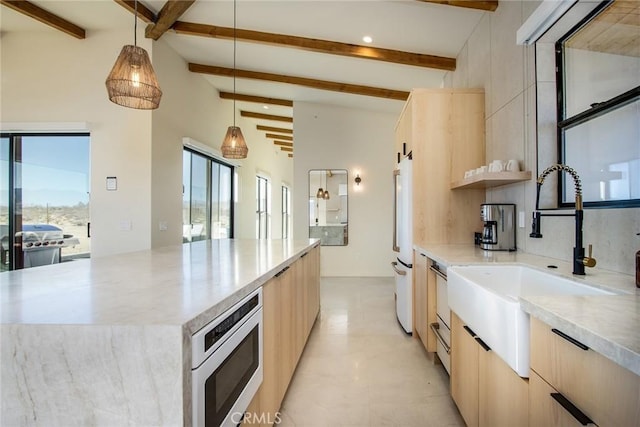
(464, 371)
(544, 410)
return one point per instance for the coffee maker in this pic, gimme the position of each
(498, 232)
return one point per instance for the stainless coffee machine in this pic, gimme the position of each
(499, 231)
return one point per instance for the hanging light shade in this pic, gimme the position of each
(320, 193)
(233, 145)
(326, 195)
(132, 81)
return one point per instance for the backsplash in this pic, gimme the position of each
(491, 60)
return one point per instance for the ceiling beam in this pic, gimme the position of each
(316, 45)
(266, 116)
(289, 149)
(144, 13)
(488, 5)
(273, 129)
(290, 155)
(256, 99)
(168, 15)
(280, 137)
(283, 143)
(302, 81)
(46, 17)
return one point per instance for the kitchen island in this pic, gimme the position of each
(107, 341)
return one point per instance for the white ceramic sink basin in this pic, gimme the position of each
(486, 298)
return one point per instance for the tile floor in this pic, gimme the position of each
(360, 369)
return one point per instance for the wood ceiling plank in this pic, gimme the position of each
(39, 14)
(316, 45)
(289, 149)
(168, 15)
(256, 99)
(302, 81)
(253, 115)
(290, 155)
(144, 13)
(283, 143)
(279, 137)
(487, 5)
(273, 129)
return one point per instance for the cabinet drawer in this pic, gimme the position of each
(544, 410)
(606, 392)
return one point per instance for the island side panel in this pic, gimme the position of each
(66, 375)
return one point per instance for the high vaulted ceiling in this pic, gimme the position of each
(295, 44)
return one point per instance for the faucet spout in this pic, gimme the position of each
(579, 258)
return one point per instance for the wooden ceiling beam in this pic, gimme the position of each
(144, 13)
(168, 15)
(487, 5)
(256, 99)
(289, 149)
(265, 116)
(283, 143)
(39, 14)
(280, 137)
(316, 45)
(273, 129)
(302, 81)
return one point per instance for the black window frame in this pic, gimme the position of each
(596, 110)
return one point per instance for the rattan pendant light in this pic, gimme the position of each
(233, 144)
(132, 82)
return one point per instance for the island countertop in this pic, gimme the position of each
(182, 285)
(608, 324)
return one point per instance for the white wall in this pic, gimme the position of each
(51, 77)
(330, 137)
(491, 60)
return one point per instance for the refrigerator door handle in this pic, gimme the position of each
(394, 265)
(396, 174)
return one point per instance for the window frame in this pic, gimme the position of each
(597, 110)
(286, 210)
(267, 211)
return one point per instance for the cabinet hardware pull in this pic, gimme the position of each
(572, 409)
(571, 340)
(435, 327)
(304, 254)
(438, 272)
(395, 268)
(483, 344)
(278, 274)
(468, 329)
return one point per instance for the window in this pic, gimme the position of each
(207, 208)
(286, 211)
(263, 208)
(598, 80)
(44, 206)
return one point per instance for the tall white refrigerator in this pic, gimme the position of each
(403, 243)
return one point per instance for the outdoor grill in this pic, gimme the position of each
(41, 244)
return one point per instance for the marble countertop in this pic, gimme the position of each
(608, 324)
(182, 285)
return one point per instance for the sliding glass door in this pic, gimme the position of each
(44, 199)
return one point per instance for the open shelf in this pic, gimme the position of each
(491, 179)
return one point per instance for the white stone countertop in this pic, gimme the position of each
(182, 285)
(608, 324)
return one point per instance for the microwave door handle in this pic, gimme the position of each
(396, 174)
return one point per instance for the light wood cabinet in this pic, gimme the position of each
(420, 300)
(290, 305)
(544, 410)
(486, 390)
(602, 390)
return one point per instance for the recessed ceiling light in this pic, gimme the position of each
(266, 107)
(367, 39)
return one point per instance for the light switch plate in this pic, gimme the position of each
(521, 219)
(112, 183)
(125, 225)
(163, 226)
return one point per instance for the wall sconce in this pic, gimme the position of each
(358, 179)
(320, 193)
(326, 195)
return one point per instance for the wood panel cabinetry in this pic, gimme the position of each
(420, 299)
(573, 381)
(291, 302)
(486, 390)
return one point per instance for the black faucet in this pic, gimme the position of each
(580, 261)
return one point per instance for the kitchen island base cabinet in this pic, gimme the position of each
(286, 328)
(486, 390)
(605, 392)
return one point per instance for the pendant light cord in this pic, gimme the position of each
(234, 63)
(135, 23)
